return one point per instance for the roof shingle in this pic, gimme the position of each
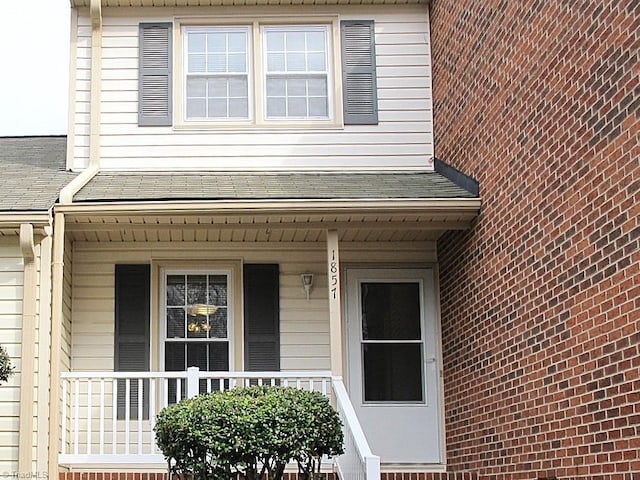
(32, 172)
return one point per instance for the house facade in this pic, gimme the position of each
(257, 198)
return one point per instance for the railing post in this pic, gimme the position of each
(193, 383)
(372, 467)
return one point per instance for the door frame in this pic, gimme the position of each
(438, 352)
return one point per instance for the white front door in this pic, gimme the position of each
(393, 362)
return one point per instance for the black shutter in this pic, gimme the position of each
(132, 284)
(262, 317)
(154, 76)
(359, 85)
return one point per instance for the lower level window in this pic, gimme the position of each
(197, 323)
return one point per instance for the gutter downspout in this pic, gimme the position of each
(66, 197)
(57, 319)
(27, 373)
(67, 193)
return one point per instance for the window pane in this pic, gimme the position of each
(196, 87)
(218, 356)
(196, 289)
(217, 87)
(315, 41)
(275, 41)
(196, 108)
(295, 41)
(175, 322)
(237, 42)
(296, 62)
(315, 62)
(197, 63)
(174, 358)
(297, 87)
(276, 107)
(317, 87)
(216, 42)
(297, 107)
(275, 87)
(196, 42)
(392, 372)
(390, 311)
(318, 107)
(218, 108)
(237, 63)
(175, 290)
(238, 108)
(197, 355)
(197, 326)
(217, 63)
(275, 62)
(218, 324)
(238, 87)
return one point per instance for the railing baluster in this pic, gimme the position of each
(65, 382)
(89, 408)
(140, 409)
(114, 415)
(101, 448)
(127, 414)
(152, 414)
(76, 419)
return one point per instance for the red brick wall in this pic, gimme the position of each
(540, 102)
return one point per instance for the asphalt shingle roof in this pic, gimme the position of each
(270, 186)
(32, 172)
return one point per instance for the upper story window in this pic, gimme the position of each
(217, 73)
(296, 76)
(258, 73)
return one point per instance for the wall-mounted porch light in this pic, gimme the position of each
(307, 282)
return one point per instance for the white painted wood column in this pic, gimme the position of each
(335, 310)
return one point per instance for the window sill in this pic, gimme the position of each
(264, 127)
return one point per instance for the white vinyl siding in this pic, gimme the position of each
(304, 324)
(402, 139)
(11, 284)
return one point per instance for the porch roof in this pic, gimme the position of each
(144, 187)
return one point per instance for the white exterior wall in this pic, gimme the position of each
(11, 287)
(304, 325)
(403, 138)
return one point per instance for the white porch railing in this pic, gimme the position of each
(357, 462)
(108, 417)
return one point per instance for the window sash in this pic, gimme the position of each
(217, 80)
(182, 295)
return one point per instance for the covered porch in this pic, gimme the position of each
(113, 381)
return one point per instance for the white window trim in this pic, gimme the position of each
(257, 104)
(231, 285)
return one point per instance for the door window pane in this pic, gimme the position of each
(390, 311)
(392, 372)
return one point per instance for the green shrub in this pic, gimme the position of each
(6, 369)
(249, 431)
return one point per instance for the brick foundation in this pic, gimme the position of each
(540, 102)
(151, 476)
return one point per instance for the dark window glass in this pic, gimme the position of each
(392, 372)
(390, 311)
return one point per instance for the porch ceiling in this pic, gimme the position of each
(352, 227)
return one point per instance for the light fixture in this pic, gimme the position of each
(307, 282)
(198, 317)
